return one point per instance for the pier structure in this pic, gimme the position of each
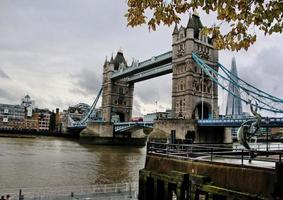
(211, 173)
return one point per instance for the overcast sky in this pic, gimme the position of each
(54, 51)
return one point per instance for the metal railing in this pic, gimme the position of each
(236, 122)
(121, 190)
(217, 153)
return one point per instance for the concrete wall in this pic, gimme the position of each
(98, 129)
(162, 128)
(103, 133)
(245, 180)
(138, 134)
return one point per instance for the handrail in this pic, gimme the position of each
(43, 192)
(210, 153)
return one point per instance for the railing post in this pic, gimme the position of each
(211, 154)
(167, 148)
(20, 194)
(242, 157)
(280, 157)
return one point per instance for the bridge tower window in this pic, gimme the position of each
(121, 90)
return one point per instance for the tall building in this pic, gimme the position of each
(42, 116)
(234, 104)
(11, 116)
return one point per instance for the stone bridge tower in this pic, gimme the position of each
(117, 97)
(193, 93)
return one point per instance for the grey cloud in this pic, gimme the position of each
(137, 108)
(266, 71)
(86, 82)
(7, 96)
(3, 74)
(158, 89)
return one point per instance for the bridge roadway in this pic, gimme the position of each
(124, 126)
(272, 122)
(151, 68)
(221, 122)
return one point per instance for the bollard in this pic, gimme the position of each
(279, 180)
(21, 197)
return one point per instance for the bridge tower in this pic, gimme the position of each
(117, 97)
(194, 96)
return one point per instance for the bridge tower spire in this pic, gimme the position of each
(117, 97)
(193, 94)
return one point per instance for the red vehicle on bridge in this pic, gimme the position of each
(136, 119)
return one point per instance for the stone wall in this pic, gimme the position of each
(162, 128)
(98, 129)
(227, 181)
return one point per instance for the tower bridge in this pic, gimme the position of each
(193, 94)
(196, 76)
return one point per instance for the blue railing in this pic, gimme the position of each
(124, 126)
(272, 122)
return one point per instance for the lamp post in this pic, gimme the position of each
(267, 122)
(156, 109)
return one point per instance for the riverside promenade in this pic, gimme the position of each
(87, 192)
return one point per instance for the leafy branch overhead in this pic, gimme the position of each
(242, 17)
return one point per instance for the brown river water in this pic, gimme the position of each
(51, 162)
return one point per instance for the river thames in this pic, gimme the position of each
(51, 162)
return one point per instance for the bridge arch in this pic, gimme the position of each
(202, 108)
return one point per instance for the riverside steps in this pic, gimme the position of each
(182, 171)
